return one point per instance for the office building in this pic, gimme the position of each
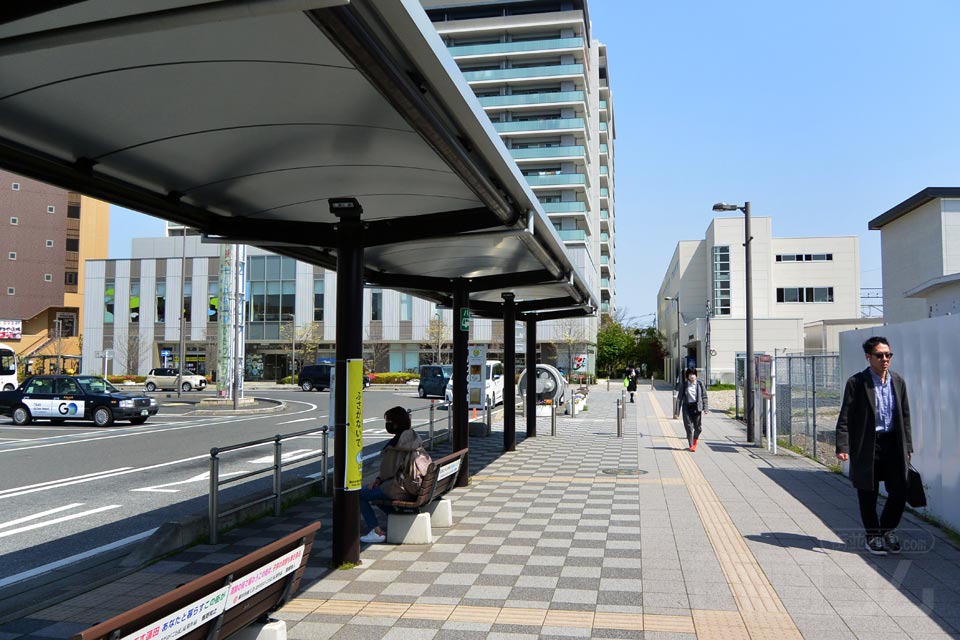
(801, 286)
(47, 235)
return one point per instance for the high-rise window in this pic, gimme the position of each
(721, 281)
(318, 300)
(135, 301)
(213, 300)
(804, 294)
(187, 300)
(161, 302)
(271, 290)
(109, 292)
(73, 244)
(406, 307)
(376, 304)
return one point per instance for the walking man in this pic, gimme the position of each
(873, 433)
(692, 397)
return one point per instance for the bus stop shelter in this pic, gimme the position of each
(338, 133)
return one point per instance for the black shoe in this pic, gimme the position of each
(874, 545)
(891, 542)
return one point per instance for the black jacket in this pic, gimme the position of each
(857, 426)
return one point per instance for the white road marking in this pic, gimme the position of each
(89, 476)
(286, 457)
(292, 421)
(159, 488)
(48, 523)
(42, 514)
(18, 577)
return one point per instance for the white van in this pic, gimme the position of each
(494, 384)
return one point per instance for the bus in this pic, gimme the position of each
(8, 369)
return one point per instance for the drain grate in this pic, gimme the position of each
(623, 471)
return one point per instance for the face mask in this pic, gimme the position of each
(390, 427)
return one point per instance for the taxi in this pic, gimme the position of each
(59, 398)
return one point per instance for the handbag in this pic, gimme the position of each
(916, 497)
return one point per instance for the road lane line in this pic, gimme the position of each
(91, 476)
(42, 514)
(292, 421)
(48, 523)
(36, 571)
(158, 488)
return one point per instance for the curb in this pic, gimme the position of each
(278, 407)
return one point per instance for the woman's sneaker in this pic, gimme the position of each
(874, 545)
(373, 537)
(891, 542)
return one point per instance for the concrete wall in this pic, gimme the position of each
(926, 355)
(824, 337)
(728, 337)
(842, 273)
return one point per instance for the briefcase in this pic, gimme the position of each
(915, 494)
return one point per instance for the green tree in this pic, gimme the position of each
(614, 346)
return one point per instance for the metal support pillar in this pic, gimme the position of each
(509, 373)
(346, 504)
(461, 300)
(531, 375)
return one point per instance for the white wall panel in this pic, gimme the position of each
(304, 295)
(199, 305)
(329, 306)
(171, 328)
(93, 316)
(121, 318)
(148, 315)
(927, 356)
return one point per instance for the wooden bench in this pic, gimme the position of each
(413, 520)
(221, 603)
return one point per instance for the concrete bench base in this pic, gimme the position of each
(478, 429)
(441, 513)
(271, 631)
(409, 528)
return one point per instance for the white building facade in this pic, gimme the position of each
(920, 243)
(797, 282)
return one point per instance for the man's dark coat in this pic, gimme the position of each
(857, 426)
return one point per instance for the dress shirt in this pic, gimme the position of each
(885, 402)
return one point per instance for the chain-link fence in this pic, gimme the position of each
(809, 392)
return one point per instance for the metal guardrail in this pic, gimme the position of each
(214, 513)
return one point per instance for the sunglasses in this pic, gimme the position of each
(883, 356)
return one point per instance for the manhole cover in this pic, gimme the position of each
(623, 472)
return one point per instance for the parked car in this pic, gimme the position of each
(163, 378)
(61, 398)
(493, 386)
(317, 377)
(433, 379)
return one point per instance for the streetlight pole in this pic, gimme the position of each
(439, 332)
(183, 335)
(748, 264)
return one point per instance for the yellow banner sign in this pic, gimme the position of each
(354, 475)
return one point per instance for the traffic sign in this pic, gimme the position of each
(464, 319)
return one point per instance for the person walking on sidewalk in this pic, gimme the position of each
(630, 381)
(386, 486)
(692, 398)
(873, 433)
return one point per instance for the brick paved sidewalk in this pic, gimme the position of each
(589, 535)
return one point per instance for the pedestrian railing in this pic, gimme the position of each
(276, 469)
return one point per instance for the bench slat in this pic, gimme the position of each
(430, 488)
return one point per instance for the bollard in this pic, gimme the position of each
(324, 466)
(214, 497)
(608, 384)
(277, 469)
(490, 416)
(450, 422)
(553, 419)
(619, 419)
(431, 423)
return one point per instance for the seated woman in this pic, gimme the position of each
(386, 486)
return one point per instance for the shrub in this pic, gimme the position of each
(393, 377)
(125, 379)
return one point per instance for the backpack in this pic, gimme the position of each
(413, 470)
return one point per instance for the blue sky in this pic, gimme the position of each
(823, 114)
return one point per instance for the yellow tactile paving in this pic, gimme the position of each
(761, 611)
(302, 605)
(670, 624)
(514, 615)
(576, 619)
(719, 625)
(429, 611)
(385, 609)
(341, 607)
(475, 614)
(610, 620)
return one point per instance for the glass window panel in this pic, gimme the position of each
(109, 293)
(213, 301)
(187, 300)
(288, 269)
(161, 302)
(135, 301)
(256, 267)
(406, 307)
(273, 268)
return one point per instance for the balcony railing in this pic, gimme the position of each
(604, 237)
(605, 283)
(547, 152)
(551, 71)
(603, 126)
(573, 235)
(532, 98)
(603, 104)
(604, 214)
(604, 192)
(603, 148)
(494, 48)
(558, 179)
(604, 259)
(604, 307)
(604, 170)
(565, 207)
(557, 124)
